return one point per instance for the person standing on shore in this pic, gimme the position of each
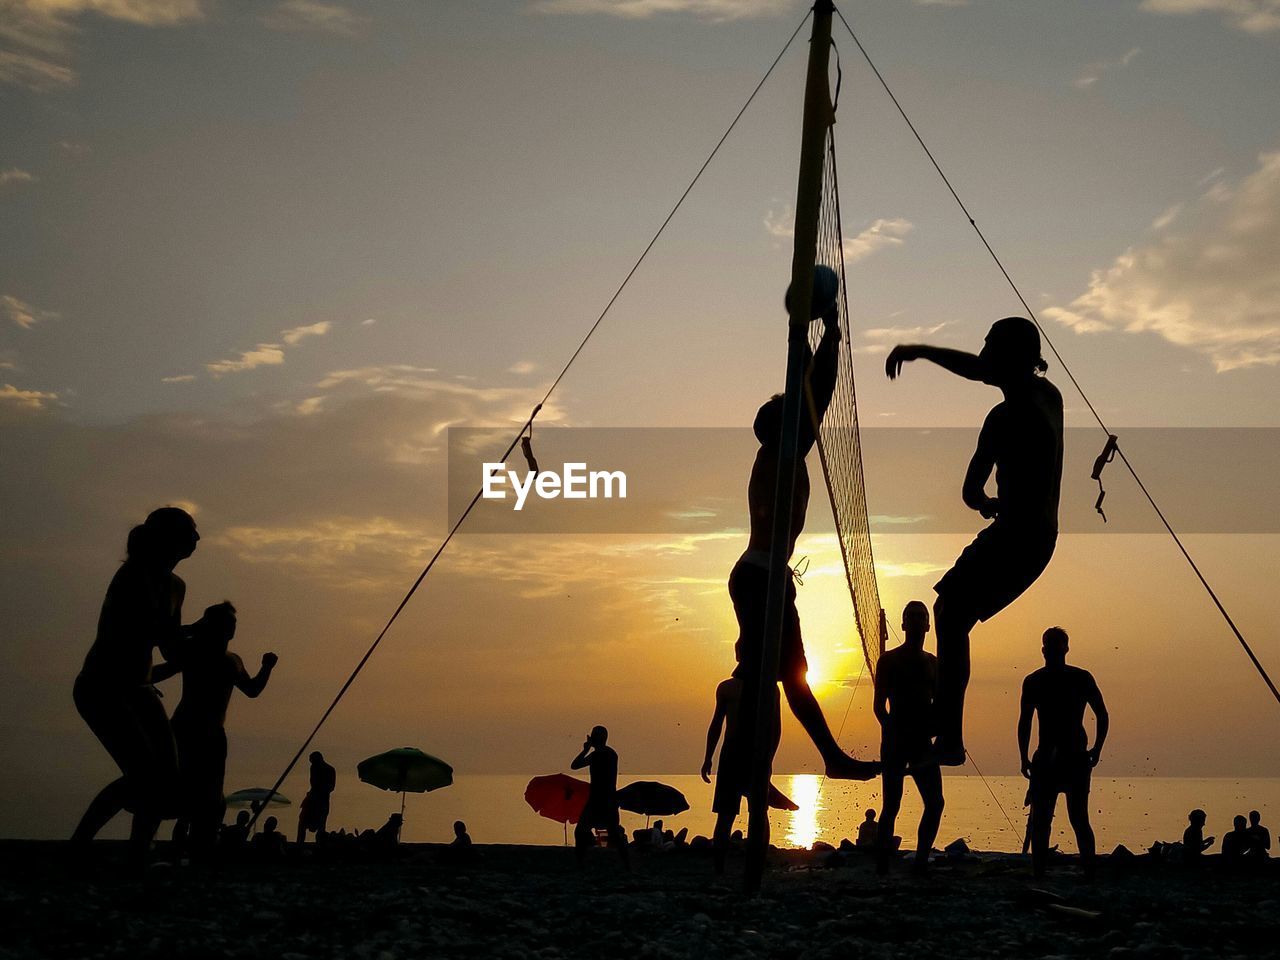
(314, 813)
(906, 680)
(1057, 695)
(602, 802)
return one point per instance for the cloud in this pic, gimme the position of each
(716, 11)
(28, 399)
(522, 367)
(902, 334)
(180, 378)
(1167, 217)
(1093, 72)
(300, 15)
(34, 52)
(263, 355)
(267, 354)
(15, 175)
(1249, 16)
(23, 314)
(1212, 286)
(881, 233)
(301, 333)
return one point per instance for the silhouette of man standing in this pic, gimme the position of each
(749, 579)
(314, 813)
(1260, 835)
(1021, 440)
(906, 678)
(602, 803)
(1063, 762)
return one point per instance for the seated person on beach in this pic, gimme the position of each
(1260, 836)
(314, 813)
(461, 838)
(749, 579)
(270, 842)
(868, 830)
(601, 810)
(236, 834)
(1194, 842)
(210, 672)
(1021, 442)
(733, 776)
(906, 680)
(387, 836)
(1238, 842)
(1057, 695)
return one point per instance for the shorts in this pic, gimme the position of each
(313, 814)
(600, 817)
(1059, 771)
(996, 568)
(749, 588)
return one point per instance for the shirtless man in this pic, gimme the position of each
(1021, 440)
(210, 672)
(314, 813)
(906, 678)
(749, 579)
(1063, 762)
(602, 803)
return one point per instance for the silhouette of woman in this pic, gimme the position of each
(141, 611)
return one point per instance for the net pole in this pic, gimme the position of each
(817, 121)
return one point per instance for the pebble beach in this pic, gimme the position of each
(532, 901)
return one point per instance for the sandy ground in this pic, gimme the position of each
(531, 902)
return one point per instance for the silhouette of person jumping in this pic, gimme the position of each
(210, 672)
(1194, 842)
(602, 802)
(314, 812)
(906, 679)
(142, 612)
(733, 775)
(1021, 440)
(749, 579)
(1057, 695)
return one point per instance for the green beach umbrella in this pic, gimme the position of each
(405, 770)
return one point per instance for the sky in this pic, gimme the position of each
(258, 258)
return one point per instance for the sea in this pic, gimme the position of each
(987, 813)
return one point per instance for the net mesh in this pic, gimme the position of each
(838, 441)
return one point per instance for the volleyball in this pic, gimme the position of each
(826, 287)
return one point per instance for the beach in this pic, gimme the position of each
(531, 901)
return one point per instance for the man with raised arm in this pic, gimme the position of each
(1056, 695)
(1021, 441)
(749, 579)
(602, 802)
(906, 678)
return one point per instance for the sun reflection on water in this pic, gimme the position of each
(802, 825)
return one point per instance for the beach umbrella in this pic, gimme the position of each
(256, 797)
(558, 797)
(405, 770)
(652, 799)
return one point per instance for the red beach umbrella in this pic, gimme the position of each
(558, 797)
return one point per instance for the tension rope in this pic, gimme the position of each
(524, 435)
(1113, 448)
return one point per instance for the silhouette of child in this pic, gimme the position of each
(868, 830)
(209, 674)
